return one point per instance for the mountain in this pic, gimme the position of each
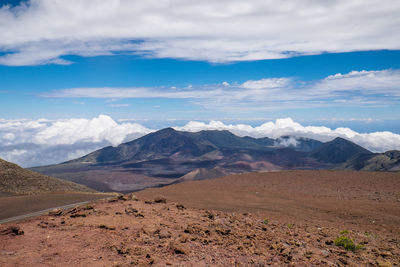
(388, 161)
(169, 142)
(14, 179)
(169, 156)
(338, 150)
(297, 143)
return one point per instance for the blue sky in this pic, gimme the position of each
(22, 88)
(147, 66)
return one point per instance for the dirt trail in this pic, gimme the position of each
(16, 205)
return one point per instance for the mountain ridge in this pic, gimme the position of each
(166, 156)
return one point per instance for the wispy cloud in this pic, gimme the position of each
(357, 88)
(121, 105)
(39, 142)
(42, 31)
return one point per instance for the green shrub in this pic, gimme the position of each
(347, 243)
(344, 232)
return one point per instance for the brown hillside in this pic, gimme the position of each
(14, 179)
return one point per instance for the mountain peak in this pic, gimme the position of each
(168, 129)
(339, 150)
(340, 139)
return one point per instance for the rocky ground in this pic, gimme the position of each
(288, 218)
(125, 231)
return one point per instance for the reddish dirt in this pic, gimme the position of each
(281, 219)
(359, 200)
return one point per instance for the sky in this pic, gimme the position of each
(79, 75)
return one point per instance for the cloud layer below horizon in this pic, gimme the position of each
(43, 31)
(41, 142)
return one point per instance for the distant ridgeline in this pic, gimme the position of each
(169, 156)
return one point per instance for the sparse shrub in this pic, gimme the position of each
(344, 232)
(290, 225)
(369, 235)
(265, 221)
(347, 243)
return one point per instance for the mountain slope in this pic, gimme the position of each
(160, 144)
(301, 144)
(203, 173)
(337, 151)
(168, 142)
(14, 179)
(388, 161)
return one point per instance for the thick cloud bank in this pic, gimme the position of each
(40, 142)
(376, 142)
(42, 31)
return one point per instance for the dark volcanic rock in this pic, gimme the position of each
(11, 230)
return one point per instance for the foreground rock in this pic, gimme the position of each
(166, 233)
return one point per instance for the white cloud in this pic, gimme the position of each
(102, 128)
(376, 142)
(267, 83)
(42, 31)
(287, 142)
(367, 82)
(225, 83)
(40, 142)
(357, 88)
(121, 105)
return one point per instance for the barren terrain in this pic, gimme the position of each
(17, 180)
(359, 199)
(296, 218)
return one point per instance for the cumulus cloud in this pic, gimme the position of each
(41, 142)
(289, 141)
(376, 142)
(354, 88)
(42, 31)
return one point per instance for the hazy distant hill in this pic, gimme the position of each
(14, 179)
(169, 156)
